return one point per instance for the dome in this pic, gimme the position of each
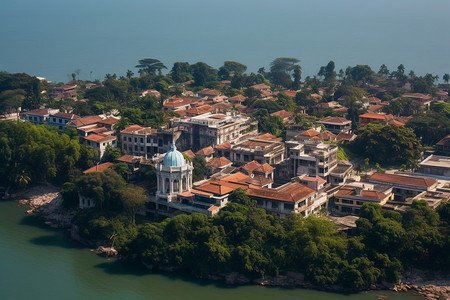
(173, 158)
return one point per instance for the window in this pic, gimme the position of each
(129, 139)
(274, 204)
(135, 139)
(142, 140)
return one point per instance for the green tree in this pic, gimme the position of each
(231, 67)
(181, 72)
(446, 78)
(199, 163)
(203, 73)
(383, 71)
(133, 198)
(281, 69)
(388, 144)
(150, 66)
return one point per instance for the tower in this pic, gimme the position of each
(174, 175)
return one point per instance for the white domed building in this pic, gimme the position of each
(174, 176)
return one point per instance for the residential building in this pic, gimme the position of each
(311, 158)
(286, 116)
(211, 129)
(436, 165)
(404, 186)
(263, 149)
(100, 141)
(254, 168)
(350, 198)
(38, 116)
(443, 146)
(217, 165)
(139, 141)
(65, 91)
(60, 119)
(289, 198)
(336, 124)
(374, 118)
(206, 152)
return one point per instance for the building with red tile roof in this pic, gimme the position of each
(404, 186)
(336, 124)
(374, 118)
(99, 168)
(350, 198)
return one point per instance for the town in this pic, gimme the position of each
(335, 145)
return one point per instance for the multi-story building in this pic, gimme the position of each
(213, 129)
(60, 119)
(263, 149)
(146, 141)
(404, 186)
(38, 116)
(436, 165)
(311, 158)
(336, 124)
(289, 198)
(100, 141)
(350, 198)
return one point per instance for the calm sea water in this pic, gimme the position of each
(37, 262)
(53, 38)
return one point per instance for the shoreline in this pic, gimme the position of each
(45, 202)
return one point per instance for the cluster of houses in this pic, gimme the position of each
(298, 174)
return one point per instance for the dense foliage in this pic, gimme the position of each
(388, 144)
(32, 153)
(246, 239)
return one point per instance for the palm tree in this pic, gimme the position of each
(446, 77)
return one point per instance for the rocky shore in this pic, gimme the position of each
(45, 202)
(432, 285)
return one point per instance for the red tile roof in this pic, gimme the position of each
(282, 114)
(109, 121)
(290, 192)
(209, 92)
(404, 180)
(260, 86)
(99, 138)
(219, 162)
(255, 144)
(99, 168)
(205, 151)
(226, 145)
(309, 132)
(65, 116)
(335, 120)
(189, 153)
(238, 98)
(86, 121)
(265, 137)
(38, 112)
(255, 166)
(131, 129)
(373, 194)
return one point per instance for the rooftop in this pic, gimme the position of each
(99, 168)
(404, 180)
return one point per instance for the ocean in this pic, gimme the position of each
(55, 38)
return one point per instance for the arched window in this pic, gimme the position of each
(176, 185)
(167, 185)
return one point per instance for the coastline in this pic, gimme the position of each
(45, 202)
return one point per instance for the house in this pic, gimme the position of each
(206, 152)
(238, 99)
(38, 116)
(374, 118)
(189, 153)
(441, 95)
(436, 165)
(316, 183)
(217, 165)
(99, 168)
(86, 125)
(208, 93)
(261, 87)
(263, 148)
(150, 92)
(65, 91)
(345, 137)
(419, 98)
(289, 198)
(350, 198)
(286, 116)
(139, 141)
(404, 186)
(255, 168)
(179, 103)
(100, 141)
(60, 119)
(211, 129)
(443, 146)
(311, 158)
(336, 125)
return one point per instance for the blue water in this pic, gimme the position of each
(53, 38)
(37, 262)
